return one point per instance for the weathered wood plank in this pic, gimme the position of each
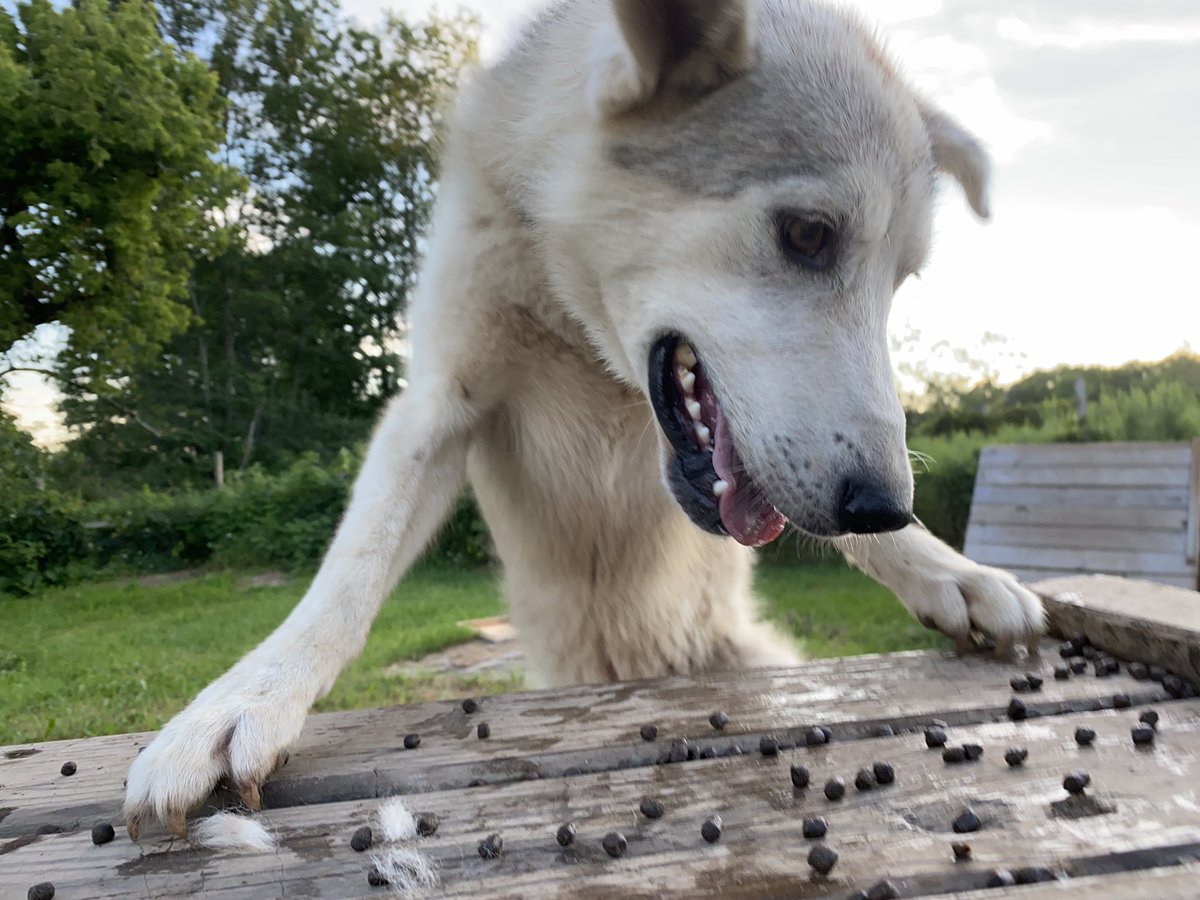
(535, 734)
(1072, 474)
(1147, 453)
(1078, 560)
(1162, 520)
(1088, 498)
(901, 832)
(1174, 883)
(1081, 538)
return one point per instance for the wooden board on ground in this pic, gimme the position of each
(576, 755)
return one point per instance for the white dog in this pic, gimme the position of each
(651, 329)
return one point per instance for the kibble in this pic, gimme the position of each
(1138, 671)
(1149, 717)
(884, 773)
(565, 835)
(1122, 701)
(884, 890)
(102, 833)
(649, 732)
(800, 776)
(651, 807)
(614, 844)
(835, 789)
(1173, 685)
(1016, 756)
(1112, 665)
(491, 846)
(1100, 669)
(1088, 652)
(718, 720)
(375, 878)
(966, 822)
(814, 827)
(361, 840)
(1076, 782)
(470, 705)
(962, 852)
(1020, 685)
(817, 736)
(1034, 874)
(1001, 878)
(1078, 666)
(711, 829)
(822, 858)
(935, 737)
(1143, 735)
(427, 824)
(68, 769)
(1084, 736)
(768, 746)
(484, 731)
(1035, 681)
(1156, 673)
(1062, 673)
(1017, 709)
(954, 755)
(972, 751)
(42, 891)
(412, 741)
(865, 780)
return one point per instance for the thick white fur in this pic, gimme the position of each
(230, 831)
(548, 275)
(407, 871)
(396, 823)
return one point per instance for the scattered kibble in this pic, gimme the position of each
(1100, 669)
(68, 769)
(835, 789)
(565, 835)
(817, 736)
(865, 780)
(1062, 673)
(1078, 666)
(1035, 681)
(1020, 685)
(966, 822)
(1122, 701)
(711, 829)
(822, 858)
(935, 737)
(491, 846)
(1138, 671)
(884, 773)
(1173, 685)
(718, 720)
(102, 833)
(884, 890)
(614, 844)
(484, 731)
(1016, 756)
(800, 776)
(42, 891)
(1088, 651)
(1084, 736)
(1001, 878)
(651, 807)
(1112, 665)
(1149, 717)
(361, 840)
(962, 852)
(814, 827)
(1076, 782)
(972, 751)
(1156, 673)
(412, 741)
(1034, 874)
(375, 878)
(1143, 735)
(427, 824)
(954, 755)
(649, 732)
(1017, 709)
(470, 705)
(768, 746)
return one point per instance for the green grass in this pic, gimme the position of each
(111, 657)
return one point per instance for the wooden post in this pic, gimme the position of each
(219, 468)
(1081, 396)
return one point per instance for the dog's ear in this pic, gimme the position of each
(959, 154)
(691, 46)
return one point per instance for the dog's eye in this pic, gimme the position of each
(810, 242)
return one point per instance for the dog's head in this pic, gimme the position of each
(762, 183)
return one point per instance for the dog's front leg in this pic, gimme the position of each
(945, 590)
(240, 725)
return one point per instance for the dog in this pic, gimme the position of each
(651, 330)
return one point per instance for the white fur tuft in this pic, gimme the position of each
(396, 823)
(406, 870)
(229, 831)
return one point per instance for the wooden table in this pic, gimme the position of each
(577, 755)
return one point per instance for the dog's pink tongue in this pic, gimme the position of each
(747, 515)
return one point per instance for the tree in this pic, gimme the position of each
(106, 179)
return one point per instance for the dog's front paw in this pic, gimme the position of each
(237, 729)
(969, 597)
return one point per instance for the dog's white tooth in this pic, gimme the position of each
(685, 356)
(720, 487)
(687, 381)
(694, 409)
(703, 434)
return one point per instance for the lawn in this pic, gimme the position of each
(110, 657)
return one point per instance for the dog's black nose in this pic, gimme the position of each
(868, 508)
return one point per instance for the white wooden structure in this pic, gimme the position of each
(1130, 509)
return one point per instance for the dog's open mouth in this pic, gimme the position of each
(707, 475)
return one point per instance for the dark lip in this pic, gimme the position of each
(690, 472)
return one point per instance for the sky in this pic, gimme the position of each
(1090, 111)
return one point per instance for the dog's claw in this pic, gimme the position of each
(176, 822)
(133, 827)
(251, 796)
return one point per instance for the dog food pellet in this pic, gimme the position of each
(800, 776)
(1001, 878)
(768, 746)
(361, 839)
(935, 737)
(1034, 874)
(41, 891)
(484, 731)
(68, 768)
(822, 858)
(427, 824)
(651, 807)
(1078, 666)
(1017, 710)
(885, 890)
(1112, 665)
(1016, 756)
(1088, 651)
(649, 732)
(1173, 685)
(614, 844)
(375, 878)
(817, 736)
(711, 830)
(1138, 671)
(1149, 717)
(865, 780)
(1084, 736)
(954, 755)
(884, 773)
(1156, 673)
(835, 789)
(412, 741)
(1143, 735)
(1020, 685)
(718, 720)
(102, 833)
(1122, 701)
(814, 827)
(1062, 673)
(966, 822)
(972, 751)
(962, 852)
(1035, 681)
(470, 705)
(1076, 782)
(1100, 669)
(491, 846)
(565, 835)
